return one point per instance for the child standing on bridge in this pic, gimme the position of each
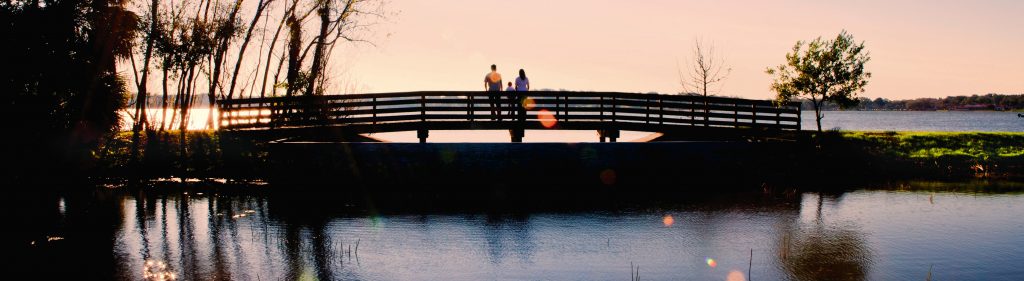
(510, 94)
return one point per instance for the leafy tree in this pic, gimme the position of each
(824, 71)
(60, 87)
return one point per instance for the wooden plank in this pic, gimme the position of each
(667, 111)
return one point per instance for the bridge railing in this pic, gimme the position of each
(556, 108)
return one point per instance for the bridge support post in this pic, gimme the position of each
(517, 134)
(422, 134)
(610, 135)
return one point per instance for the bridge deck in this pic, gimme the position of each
(605, 112)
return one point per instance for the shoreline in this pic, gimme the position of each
(811, 157)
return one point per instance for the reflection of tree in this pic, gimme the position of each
(186, 243)
(308, 247)
(323, 253)
(823, 251)
(505, 234)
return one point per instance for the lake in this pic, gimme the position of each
(945, 121)
(905, 231)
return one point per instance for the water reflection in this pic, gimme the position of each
(861, 235)
(822, 249)
(508, 233)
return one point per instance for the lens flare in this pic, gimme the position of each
(608, 177)
(735, 276)
(547, 118)
(529, 103)
(668, 220)
(448, 155)
(712, 263)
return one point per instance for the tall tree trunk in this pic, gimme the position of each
(185, 108)
(318, 53)
(817, 110)
(294, 44)
(270, 54)
(223, 38)
(245, 43)
(143, 95)
(704, 87)
(163, 104)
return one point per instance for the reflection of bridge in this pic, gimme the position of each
(607, 113)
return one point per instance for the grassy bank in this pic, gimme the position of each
(930, 145)
(202, 155)
(930, 155)
(875, 155)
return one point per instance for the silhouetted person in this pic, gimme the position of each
(492, 84)
(522, 85)
(510, 93)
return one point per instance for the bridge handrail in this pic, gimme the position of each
(683, 98)
(668, 110)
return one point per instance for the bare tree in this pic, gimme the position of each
(241, 52)
(294, 46)
(226, 30)
(142, 96)
(192, 40)
(705, 73)
(273, 44)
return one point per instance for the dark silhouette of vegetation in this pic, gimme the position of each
(69, 67)
(826, 71)
(207, 155)
(60, 87)
(973, 102)
(706, 72)
(142, 94)
(913, 155)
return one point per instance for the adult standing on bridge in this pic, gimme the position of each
(522, 85)
(492, 84)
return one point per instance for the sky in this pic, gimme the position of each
(918, 48)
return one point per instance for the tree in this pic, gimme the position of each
(705, 72)
(263, 4)
(61, 89)
(227, 28)
(141, 119)
(824, 71)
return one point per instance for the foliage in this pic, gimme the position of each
(206, 154)
(826, 71)
(974, 102)
(60, 83)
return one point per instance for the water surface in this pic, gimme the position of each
(858, 235)
(944, 121)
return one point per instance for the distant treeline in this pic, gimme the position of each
(974, 102)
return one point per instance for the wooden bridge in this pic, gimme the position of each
(608, 113)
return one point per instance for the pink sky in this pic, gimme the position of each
(918, 48)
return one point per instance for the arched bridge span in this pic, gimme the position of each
(605, 112)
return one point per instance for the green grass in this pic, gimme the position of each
(205, 156)
(977, 145)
